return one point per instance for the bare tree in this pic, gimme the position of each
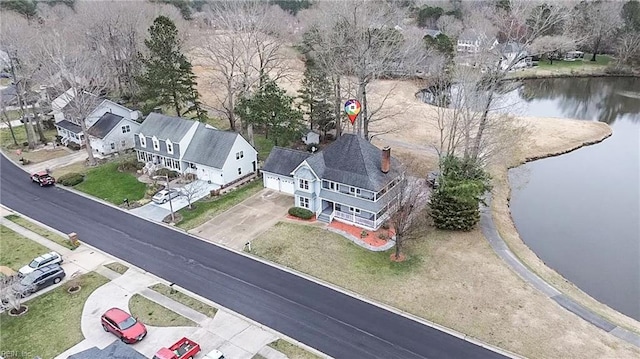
(597, 21)
(450, 26)
(74, 67)
(551, 46)
(628, 48)
(243, 41)
(192, 190)
(11, 293)
(7, 120)
(408, 219)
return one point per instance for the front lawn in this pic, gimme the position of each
(52, 324)
(291, 350)
(6, 141)
(207, 208)
(117, 267)
(601, 60)
(40, 230)
(154, 314)
(18, 250)
(184, 299)
(107, 183)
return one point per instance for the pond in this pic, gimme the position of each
(580, 212)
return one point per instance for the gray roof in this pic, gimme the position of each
(283, 161)
(432, 33)
(104, 125)
(514, 48)
(9, 95)
(69, 126)
(115, 350)
(210, 147)
(352, 160)
(165, 127)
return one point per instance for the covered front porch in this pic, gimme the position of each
(351, 215)
(69, 132)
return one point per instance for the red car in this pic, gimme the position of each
(123, 325)
(43, 178)
(183, 349)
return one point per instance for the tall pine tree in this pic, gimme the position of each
(317, 95)
(271, 110)
(168, 78)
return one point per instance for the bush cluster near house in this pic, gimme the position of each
(130, 165)
(455, 203)
(166, 172)
(71, 179)
(302, 213)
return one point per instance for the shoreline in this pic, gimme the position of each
(501, 212)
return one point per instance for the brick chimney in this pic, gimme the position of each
(386, 159)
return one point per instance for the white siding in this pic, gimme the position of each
(116, 137)
(207, 173)
(245, 164)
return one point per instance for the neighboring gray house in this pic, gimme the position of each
(115, 350)
(433, 33)
(112, 133)
(350, 180)
(188, 146)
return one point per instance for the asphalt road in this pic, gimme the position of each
(332, 322)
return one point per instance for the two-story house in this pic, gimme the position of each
(110, 126)
(351, 180)
(474, 42)
(514, 55)
(188, 146)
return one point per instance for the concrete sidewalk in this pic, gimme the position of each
(227, 332)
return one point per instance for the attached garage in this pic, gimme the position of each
(276, 171)
(277, 182)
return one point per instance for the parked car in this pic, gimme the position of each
(214, 354)
(39, 279)
(43, 178)
(165, 195)
(41, 261)
(183, 349)
(123, 325)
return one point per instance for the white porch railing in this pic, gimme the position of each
(354, 219)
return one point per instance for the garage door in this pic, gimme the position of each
(286, 185)
(271, 182)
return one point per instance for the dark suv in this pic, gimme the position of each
(43, 178)
(39, 279)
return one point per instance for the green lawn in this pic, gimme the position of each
(185, 299)
(52, 324)
(263, 145)
(40, 230)
(18, 250)
(291, 350)
(6, 141)
(154, 314)
(117, 267)
(206, 209)
(601, 60)
(107, 183)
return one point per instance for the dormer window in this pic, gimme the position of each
(156, 143)
(169, 147)
(143, 140)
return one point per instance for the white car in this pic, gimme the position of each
(214, 354)
(41, 261)
(164, 196)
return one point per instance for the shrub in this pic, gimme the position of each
(302, 213)
(363, 234)
(58, 139)
(71, 179)
(166, 172)
(383, 236)
(130, 165)
(25, 144)
(385, 225)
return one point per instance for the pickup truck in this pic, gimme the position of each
(183, 349)
(214, 354)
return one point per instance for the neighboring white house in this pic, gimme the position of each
(70, 128)
(350, 180)
(311, 137)
(473, 42)
(187, 146)
(112, 133)
(515, 55)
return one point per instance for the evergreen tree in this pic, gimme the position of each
(272, 110)
(455, 203)
(316, 94)
(168, 77)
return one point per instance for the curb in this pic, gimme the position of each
(312, 279)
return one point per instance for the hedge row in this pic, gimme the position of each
(300, 212)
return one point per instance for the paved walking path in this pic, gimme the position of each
(234, 336)
(500, 247)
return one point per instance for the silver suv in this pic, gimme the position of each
(39, 279)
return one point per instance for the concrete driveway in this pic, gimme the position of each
(246, 220)
(157, 212)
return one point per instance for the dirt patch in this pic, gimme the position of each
(453, 279)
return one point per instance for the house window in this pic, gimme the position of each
(303, 184)
(193, 165)
(113, 146)
(123, 143)
(352, 190)
(126, 129)
(304, 202)
(169, 147)
(239, 155)
(357, 210)
(143, 140)
(239, 170)
(156, 144)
